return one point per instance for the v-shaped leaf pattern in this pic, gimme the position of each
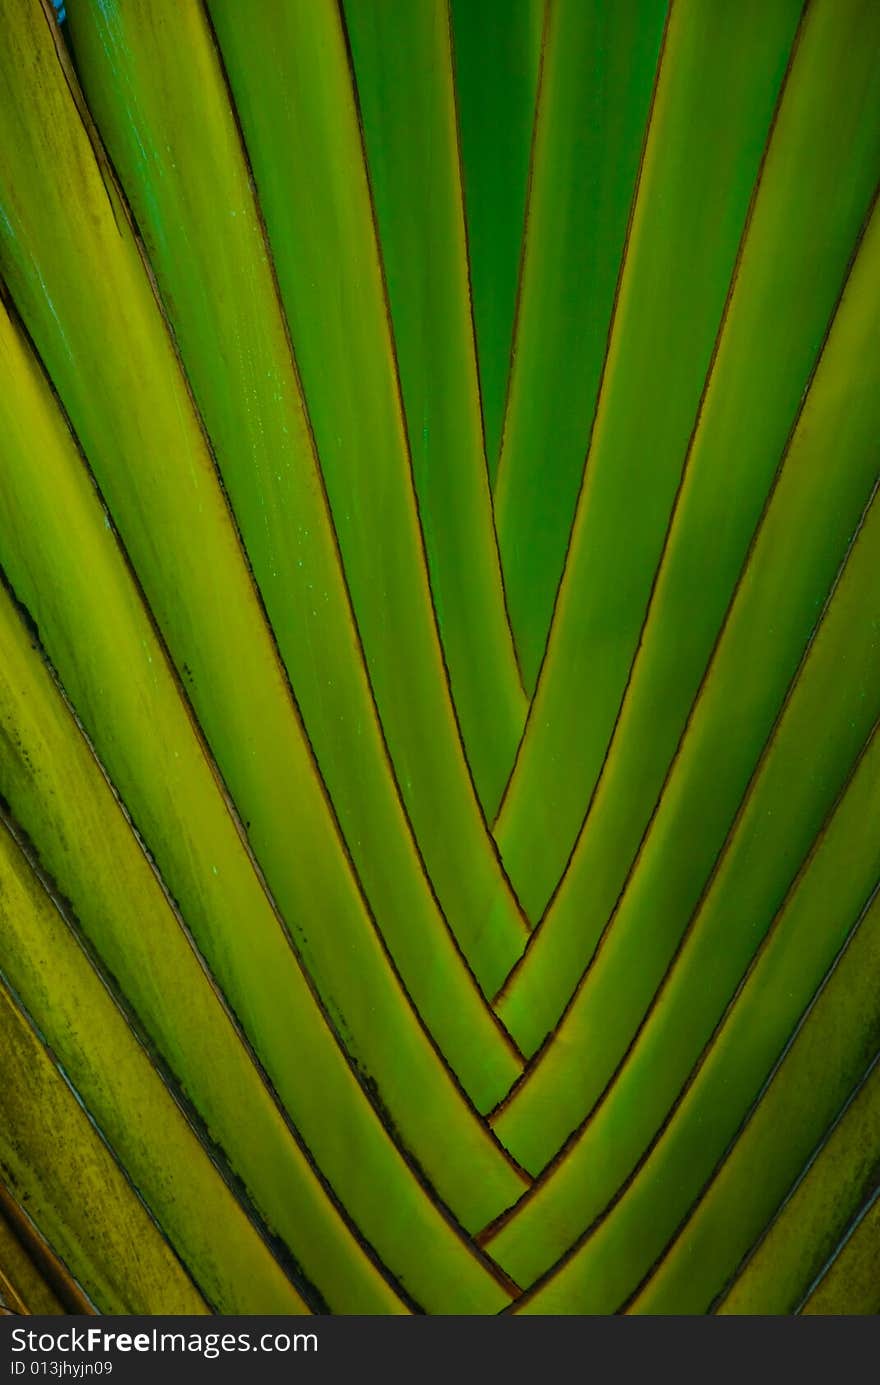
(440, 679)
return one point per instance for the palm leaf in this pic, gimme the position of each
(440, 617)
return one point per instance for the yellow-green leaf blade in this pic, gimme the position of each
(82, 1202)
(125, 1095)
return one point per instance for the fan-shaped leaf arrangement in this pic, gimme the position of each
(440, 662)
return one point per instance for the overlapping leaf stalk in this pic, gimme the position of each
(439, 656)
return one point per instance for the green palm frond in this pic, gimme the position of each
(439, 656)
